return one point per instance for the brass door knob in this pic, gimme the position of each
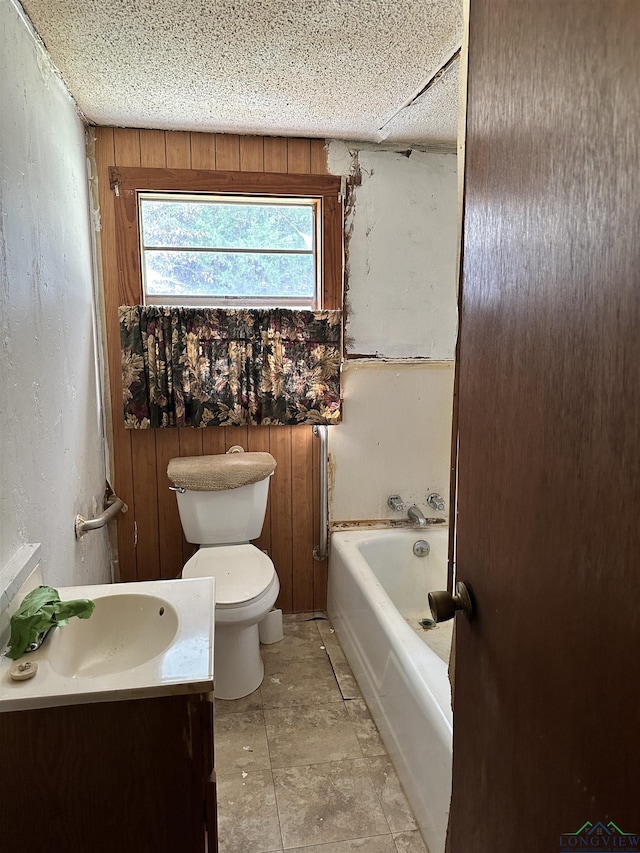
(444, 605)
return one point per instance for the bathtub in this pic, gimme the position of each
(376, 598)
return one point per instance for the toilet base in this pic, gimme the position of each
(238, 666)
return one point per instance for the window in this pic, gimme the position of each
(227, 239)
(229, 250)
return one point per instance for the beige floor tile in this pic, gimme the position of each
(301, 640)
(247, 813)
(366, 731)
(321, 796)
(241, 742)
(252, 702)
(331, 643)
(309, 681)
(410, 842)
(310, 734)
(316, 615)
(346, 682)
(394, 803)
(323, 803)
(379, 844)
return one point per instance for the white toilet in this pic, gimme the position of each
(222, 502)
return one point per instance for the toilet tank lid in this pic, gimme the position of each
(220, 472)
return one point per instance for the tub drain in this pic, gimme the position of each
(421, 548)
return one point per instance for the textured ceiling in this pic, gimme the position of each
(349, 69)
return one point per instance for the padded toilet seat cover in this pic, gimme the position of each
(242, 572)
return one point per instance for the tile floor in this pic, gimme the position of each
(300, 764)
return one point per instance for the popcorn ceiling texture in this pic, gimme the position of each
(336, 68)
(432, 118)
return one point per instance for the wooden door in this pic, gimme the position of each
(547, 693)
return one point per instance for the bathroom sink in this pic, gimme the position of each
(149, 638)
(124, 631)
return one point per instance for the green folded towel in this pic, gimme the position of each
(41, 610)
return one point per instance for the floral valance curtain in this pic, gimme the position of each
(213, 367)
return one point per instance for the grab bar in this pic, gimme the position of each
(114, 505)
(320, 552)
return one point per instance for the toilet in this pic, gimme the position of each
(222, 502)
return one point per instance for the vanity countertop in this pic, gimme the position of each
(152, 638)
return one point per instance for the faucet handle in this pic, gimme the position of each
(436, 502)
(395, 502)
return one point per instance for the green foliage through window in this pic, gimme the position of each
(228, 250)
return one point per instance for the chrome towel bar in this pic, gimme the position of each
(321, 550)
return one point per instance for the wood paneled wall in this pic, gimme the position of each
(150, 540)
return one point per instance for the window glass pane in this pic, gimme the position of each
(219, 274)
(226, 225)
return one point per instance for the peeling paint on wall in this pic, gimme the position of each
(401, 318)
(402, 256)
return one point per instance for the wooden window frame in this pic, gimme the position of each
(126, 182)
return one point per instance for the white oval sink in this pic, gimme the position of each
(124, 631)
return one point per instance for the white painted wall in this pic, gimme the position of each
(395, 438)
(401, 309)
(402, 254)
(51, 446)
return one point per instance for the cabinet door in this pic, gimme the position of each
(202, 711)
(113, 776)
(211, 813)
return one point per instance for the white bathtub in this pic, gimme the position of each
(377, 595)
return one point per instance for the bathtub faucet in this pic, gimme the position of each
(415, 514)
(436, 502)
(395, 502)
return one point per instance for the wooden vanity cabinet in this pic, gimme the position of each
(134, 776)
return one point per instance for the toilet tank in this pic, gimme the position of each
(222, 499)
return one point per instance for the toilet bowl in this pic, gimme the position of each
(246, 589)
(222, 503)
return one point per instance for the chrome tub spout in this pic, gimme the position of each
(415, 514)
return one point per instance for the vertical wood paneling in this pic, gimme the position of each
(318, 157)
(235, 435)
(127, 146)
(227, 151)
(169, 527)
(127, 153)
(141, 456)
(190, 441)
(145, 503)
(171, 540)
(190, 445)
(299, 156)
(251, 154)
(143, 442)
(258, 439)
(213, 441)
(333, 258)
(299, 161)
(121, 437)
(178, 148)
(152, 149)
(203, 151)
(302, 519)
(281, 440)
(275, 154)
